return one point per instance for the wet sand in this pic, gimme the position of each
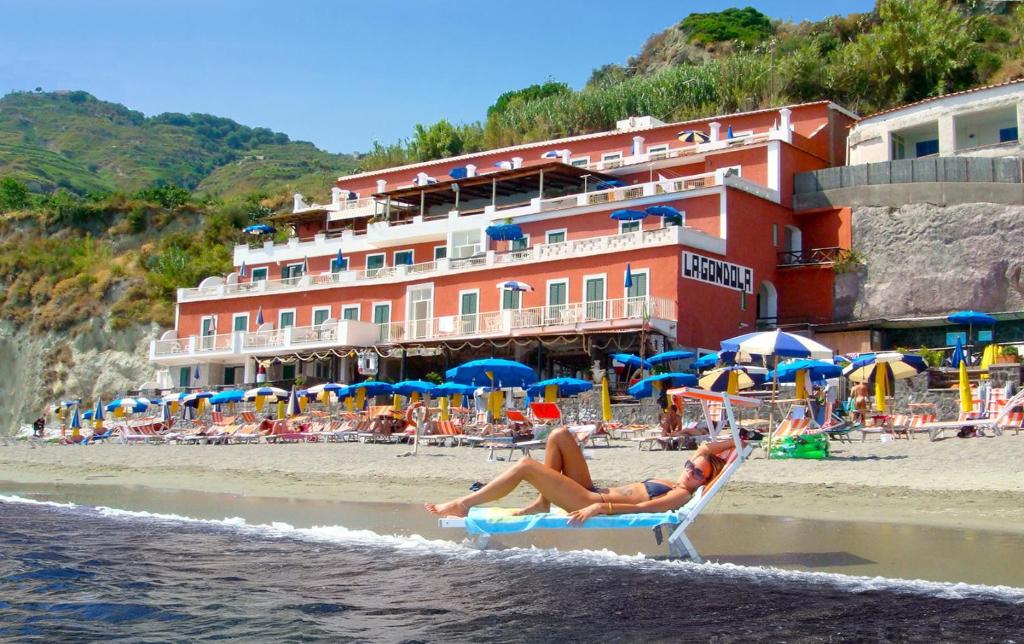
(862, 548)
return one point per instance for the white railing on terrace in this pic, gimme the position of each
(539, 252)
(674, 153)
(512, 320)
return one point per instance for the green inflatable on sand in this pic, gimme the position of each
(814, 446)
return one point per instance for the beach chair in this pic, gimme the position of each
(1012, 420)
(792, 427)
(445, 431)
(484, 522)
(546, 413)
(972, 419)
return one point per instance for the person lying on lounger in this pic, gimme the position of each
(564, 479)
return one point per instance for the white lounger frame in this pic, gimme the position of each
(679, 544)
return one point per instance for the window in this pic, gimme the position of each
(288, 372)
(403, 258)
(240, 322)
(611, 156)
(469, 302)
(184, 377)
(259, 274)
(208, 331)
(440, 252)
(639, 287)
(320, 315)
(558, 297)
(953, 336)
(658, 149)
(1007, 134)
(337, 267)
(743, 300)
(373, 264)
(926, 148)
(555, 236)
(775, 235)
(350, 312)
(465, 243)
(286, 318)
(628, 226)
(511, 300)
(594, 295)
(229, 375)
(579, 162)
(523, 243)
(291, 272)
(382, 318)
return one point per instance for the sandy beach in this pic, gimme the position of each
(953, 483)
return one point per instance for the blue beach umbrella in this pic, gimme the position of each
(513, 285)
(327, 386)
(728, 133)
(259, 229)
(973, 318)
(409, 387)
(274, 392)
(242, 270)
(339, 260)
(646, 387)
(817, 370)
(550, 154)
(565, 387)
(670, 356)
(628, 281)
(505, 373)
(97, 410)
(294, 408)
(165, 413)
(373, 388)
(663, 211)
(458, 173)
(631, 360)
(628, 215)
(452, 389)
(134, 405)
(188, 412)
(504, 232)
(229, 396)
(711, 360)
(603, 184)
(76, 420)
(195, 373)
(259, 316)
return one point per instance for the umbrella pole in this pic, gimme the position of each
(771, 409)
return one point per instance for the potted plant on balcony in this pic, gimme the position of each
(1008, 355)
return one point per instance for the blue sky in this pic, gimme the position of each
(339, 74)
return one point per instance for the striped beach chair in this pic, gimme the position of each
(792, 427)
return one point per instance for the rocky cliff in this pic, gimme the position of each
(922, 259)
(40, 368)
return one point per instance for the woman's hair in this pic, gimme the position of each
(717, 464)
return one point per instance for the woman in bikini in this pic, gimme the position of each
(564, 480)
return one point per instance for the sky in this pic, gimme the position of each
(339, 74)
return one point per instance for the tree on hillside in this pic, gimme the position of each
(13, 194)
(748, 26)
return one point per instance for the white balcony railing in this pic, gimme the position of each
(497, 323)
(675, 153)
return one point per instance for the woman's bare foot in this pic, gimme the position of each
(450, 509)
(537, 507)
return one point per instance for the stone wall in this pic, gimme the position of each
(922, 259)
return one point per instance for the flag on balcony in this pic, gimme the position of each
(195, 374)
(628, 282)
(242, 270)
(259, 317)
(728, 133)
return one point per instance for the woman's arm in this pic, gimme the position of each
(671, 500)
(716, 447)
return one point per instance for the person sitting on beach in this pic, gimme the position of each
(38, 427)
(671, 422)
(859, 394)
(564, 480)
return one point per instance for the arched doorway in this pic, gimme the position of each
(767, 305)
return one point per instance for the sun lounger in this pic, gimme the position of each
(482, 523)
(972, 419)
(445, 431)
(792, 427)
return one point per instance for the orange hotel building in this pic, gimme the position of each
(418, 287)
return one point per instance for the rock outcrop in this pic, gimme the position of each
(922, 259)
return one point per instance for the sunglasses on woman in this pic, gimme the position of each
(695, 471)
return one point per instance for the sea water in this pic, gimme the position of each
(79, 572)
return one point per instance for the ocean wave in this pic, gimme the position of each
(419, 545)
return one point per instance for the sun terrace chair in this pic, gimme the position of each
(973, 419)
(445, 431)
(792, 427)
(484, 522)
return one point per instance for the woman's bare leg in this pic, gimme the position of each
(557, 488)
(562, 454)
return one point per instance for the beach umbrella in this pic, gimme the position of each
(228, 396)
(504, 232)
(259, 229)
(196, 373)
(494, 371)
(971, 319)
(628, 215)
(259, 316)
(627, 282)
(777, 343)
(670, 356)
(668, 213)
(413, 389)
(458, 173)
(76, 420)
(241, 270)
(294, 407)
(305, 265)
(711, 360)
(606, 401)
(87, 414)
(603, 184)
(165, 413)
(271, 392)
(453, 389)
(896, 366)
(558, 388)
(817, 370)
(730, 379)
(188, 412)
(133, 405)
(513, 285)
(692, 136)
(327, 386)
(959, 361)
(652, 385)
(631, 360)
(728, 133)
(97, 410)
(339, 260)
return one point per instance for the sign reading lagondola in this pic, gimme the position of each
(718, 272)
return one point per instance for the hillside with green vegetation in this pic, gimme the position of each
(74, 141)
(740, 59)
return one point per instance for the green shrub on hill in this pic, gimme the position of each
(748, 26)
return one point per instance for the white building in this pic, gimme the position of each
(978, 122)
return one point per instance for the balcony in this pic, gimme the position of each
(808, 257)
(586, 247)
(621, 313)
(686, 150)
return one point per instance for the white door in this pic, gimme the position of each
(420, 310)
(593, 288)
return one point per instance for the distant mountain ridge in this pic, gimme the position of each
(72, 140)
